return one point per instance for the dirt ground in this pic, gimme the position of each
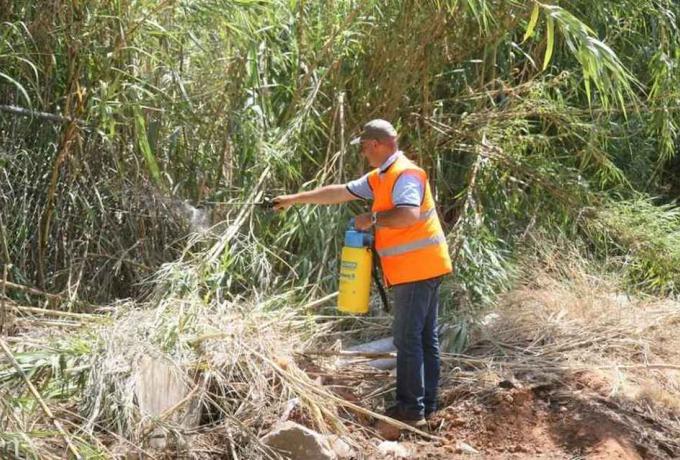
(567, 418)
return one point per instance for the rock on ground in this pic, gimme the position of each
(391, 449)
(298, 442)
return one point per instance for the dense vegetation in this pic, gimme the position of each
(527, 115)
(137, 137)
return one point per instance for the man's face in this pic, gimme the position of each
(369, 149)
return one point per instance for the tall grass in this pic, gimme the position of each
(182, 103)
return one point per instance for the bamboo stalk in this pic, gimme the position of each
(527, 367)
(20, 111)
(74, 104)
(48, 312)
(39, 399)
(41, 322)
(321, 301)
(357, 354)
(3, 240)
(46, 217)
(343, 146)
(32, 290)
(3, 311)
(643, 366)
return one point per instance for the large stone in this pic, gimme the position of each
(159, 387)
(298, 442)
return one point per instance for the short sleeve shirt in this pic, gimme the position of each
(408, 189)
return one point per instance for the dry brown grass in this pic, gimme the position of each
(565, 328)
(588, 342)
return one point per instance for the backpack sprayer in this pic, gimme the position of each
(356, 265)
(357, 262)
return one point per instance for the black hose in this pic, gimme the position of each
(378, 282)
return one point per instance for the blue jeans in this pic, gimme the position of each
(415, 336)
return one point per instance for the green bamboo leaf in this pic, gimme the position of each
(551, 42)
(532, 23)
(622, 103)
(145, 147)
(586, 82)
(19, 87)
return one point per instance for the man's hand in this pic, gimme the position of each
(283, 202)
(363, 221)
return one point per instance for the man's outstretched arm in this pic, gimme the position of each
(329, 194)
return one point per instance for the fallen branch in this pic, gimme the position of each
(20, 111)
(3, 294)
(321, 301)
(32, 290)
(357, 354)
(48, 312)
(643, 366)
(528, 366)
(44, 322)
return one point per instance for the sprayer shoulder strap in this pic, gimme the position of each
(377, 270)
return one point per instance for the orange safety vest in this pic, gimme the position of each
(419, 251)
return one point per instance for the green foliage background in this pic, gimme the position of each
(556, 116)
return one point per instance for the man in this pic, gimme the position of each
(413, 254)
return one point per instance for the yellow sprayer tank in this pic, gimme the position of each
(356, 263)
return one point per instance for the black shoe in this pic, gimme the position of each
(429, 413)
(431, 409)
(414, 420)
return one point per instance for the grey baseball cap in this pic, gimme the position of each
(377, 129)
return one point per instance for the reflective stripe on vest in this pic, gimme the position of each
(427, 214)
(412, 246)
